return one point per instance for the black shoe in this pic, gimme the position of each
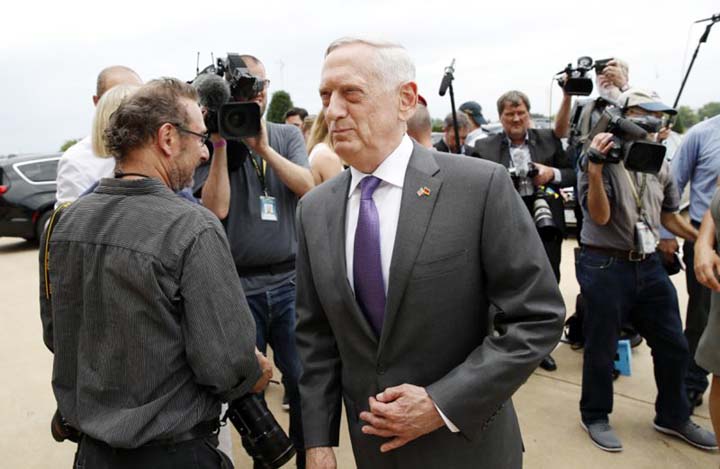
(548, 364)
(634, 338)
(695, 398)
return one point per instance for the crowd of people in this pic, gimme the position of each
(414, 282)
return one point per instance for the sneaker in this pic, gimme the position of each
(285, 402)
(603, 436)
(692, 433)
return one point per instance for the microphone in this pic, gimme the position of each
(212, 89)
(447, 78)
(713, 18)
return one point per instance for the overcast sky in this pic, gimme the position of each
(51, 52)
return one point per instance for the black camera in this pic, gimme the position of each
(630, 141)
(225, 89)
(574, 80)
(263, 438)
(600, 65)
(522, 177)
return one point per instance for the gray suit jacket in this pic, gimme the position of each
(472, 308)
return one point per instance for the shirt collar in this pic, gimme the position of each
(391, 170)
(510, 143)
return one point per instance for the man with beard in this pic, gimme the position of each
(149, 333)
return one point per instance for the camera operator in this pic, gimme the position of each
(256, 202)
(538, 161)
(148, 332)
(622, 278)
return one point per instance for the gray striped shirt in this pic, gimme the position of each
(147, 318)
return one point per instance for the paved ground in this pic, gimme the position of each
(547, 404)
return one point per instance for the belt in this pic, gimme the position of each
(631, 255)
(201, 430)
(271, 269)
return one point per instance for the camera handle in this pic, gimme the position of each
(446, 84)
(713, 19)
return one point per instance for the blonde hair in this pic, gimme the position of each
(318, 133)
(108, 103)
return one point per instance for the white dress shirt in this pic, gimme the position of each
(387, 198)
(79, 169)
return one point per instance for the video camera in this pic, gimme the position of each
(630, 141)
(574, 80)
(225, 89)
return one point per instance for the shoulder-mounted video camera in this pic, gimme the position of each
(574, 80)
(631, 144)
(225, 89)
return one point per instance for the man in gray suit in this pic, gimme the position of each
(424, 296)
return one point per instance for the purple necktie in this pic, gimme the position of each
(367, 267)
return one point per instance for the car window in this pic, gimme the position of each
(42, 171)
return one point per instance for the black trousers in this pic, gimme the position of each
(698, 309)
(193, 454)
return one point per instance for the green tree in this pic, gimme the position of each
(279, 105)
(709, 110)
(685, 119)
(437, 125)
(68, 144)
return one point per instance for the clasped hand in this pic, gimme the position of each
(402, 413)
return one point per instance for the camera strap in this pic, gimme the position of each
(46, 258)
(260, 169)
(637, 195)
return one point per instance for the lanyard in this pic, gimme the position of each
(260, 172)
(636, 195)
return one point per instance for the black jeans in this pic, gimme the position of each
(193, 454)
(614, 291)
(698, 309)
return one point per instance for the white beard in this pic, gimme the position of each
(609, 93)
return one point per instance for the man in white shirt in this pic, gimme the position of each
(424, 298)
(79, 168)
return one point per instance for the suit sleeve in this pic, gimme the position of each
(526, 310)
(320, 381)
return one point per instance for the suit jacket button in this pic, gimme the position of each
(381, 369)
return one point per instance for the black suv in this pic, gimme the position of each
(27, 193)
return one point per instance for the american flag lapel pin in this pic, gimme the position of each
(423, 191)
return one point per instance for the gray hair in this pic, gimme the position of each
(392, 64)
(463, 121)
(514, 98)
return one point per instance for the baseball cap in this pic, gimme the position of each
(645, 99)
(474, 110)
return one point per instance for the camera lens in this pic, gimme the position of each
(235, 120)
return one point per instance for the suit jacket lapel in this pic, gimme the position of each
(336, 213)
(415, 212)
(504, 151)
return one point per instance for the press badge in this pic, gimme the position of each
(268, 208)
(645, 241)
